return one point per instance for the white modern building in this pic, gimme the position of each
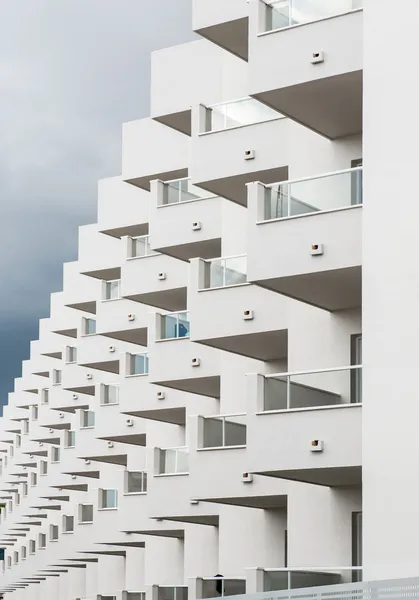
(190, 423)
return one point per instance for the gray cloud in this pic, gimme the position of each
(71, 71)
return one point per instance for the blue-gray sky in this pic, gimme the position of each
(71, 71)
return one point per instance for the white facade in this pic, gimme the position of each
(190, 422)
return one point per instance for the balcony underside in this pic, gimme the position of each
(333, 290)
(206, 249)
(327, 476)
(203, 386)
(89, 307)
(210, 520)
(104, 274)
(109, 366)
(136, 439)
(127, 230)
(89, 390)
(270, 345)
(176, 416)
(178, 534)
(143, 182)
(261, 502)
(180, 121)
(171, 300)
(113, 459)
(232, 36)
(332, 106)
(132, 336)
(234, 187)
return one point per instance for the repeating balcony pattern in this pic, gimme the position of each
(193, 406)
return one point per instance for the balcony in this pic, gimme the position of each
(317, 80)
(165, 159)
(128, 216)
(185, 221)
(189, 367)
(156, 280)
(307, 426)
(229, 314)
(194, 72)
(224, 24)
(306, 238)
(214, 587)
(248, 133)
(122, 320)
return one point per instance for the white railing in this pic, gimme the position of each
(223, 272)
(329, 191)
(236, 113)
(224, 431)
(173, 461)
(286, 13)
(175, 325)
(313, 389)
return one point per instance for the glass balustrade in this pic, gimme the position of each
(224, 431)
(289, 579)
(140, 247)
(285, 13)
(213, 587)
(310, 195)
(181, 190)
(173, 461)
(175, 326)
(138, 364)
(330, 387)
(222, 272)
(246, 111)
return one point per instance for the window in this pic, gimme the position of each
(11, 451)
(53, 533)
(109, 394)
(108, 499)
(136, 482)
(34, 479)
(138, 364)
(25, 424)
(43, 467)
(68, 524)
(112, 290)
(56, 377)
(32, 546)
(70, 439)
(87, 418)
(42, 540)
(35, 413)
(23, 552)
(24, 489)
(89, 326)
(71, 354)
(5, 461)
(85, 513)
(18, 440)
(16, 557)
(10, 506)
(55, 454)
(17, 499)
(9, 561)
(45, 396)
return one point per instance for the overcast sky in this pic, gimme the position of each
(71, 71)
